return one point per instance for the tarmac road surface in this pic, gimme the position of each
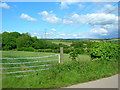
(109, 82)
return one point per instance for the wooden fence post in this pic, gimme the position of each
(61, 55)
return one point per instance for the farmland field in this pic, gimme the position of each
(21, 54)
(61, 42)
(16, 54)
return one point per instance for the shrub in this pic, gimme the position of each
(26, 49)
(74, 54)
(68, 50)
(55, 50)
(104, 51)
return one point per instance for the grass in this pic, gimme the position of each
(60, 75)
(68, 43)
(18, 54)
(24, 54)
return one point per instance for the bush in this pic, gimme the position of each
(74, 54)
(55, 50)
(68, 50)
(45, 50)
(104, 51)
(26, 49)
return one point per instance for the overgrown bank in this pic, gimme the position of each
(63, 75)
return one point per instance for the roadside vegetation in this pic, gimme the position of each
(62, 75)
(84, 60)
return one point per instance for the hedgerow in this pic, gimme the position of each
(104, 51)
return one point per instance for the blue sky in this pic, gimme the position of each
(61, 19)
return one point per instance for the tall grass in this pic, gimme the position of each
(60, 75)
(63, 75)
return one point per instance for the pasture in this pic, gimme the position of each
(17, 54)
(68, 43)
(31, 64)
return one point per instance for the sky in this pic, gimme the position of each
(61, 19)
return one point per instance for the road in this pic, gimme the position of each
(109, 82)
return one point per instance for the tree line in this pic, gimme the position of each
(15, 40)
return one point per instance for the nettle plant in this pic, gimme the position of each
(104, 52)
(74, 54)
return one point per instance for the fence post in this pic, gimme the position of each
(61, 55)
(59, 58)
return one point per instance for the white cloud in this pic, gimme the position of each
(66, 3)
(47, 33)
(107, 23)
(67, 22)
(71, 35)
(44, 13)
(62, 34)
(112, 28)
(108, 8)
(27, 17)
(8, 31)
(108, 30)
(81, 6)
(35, 33)
(53, 29)
(75, 16)
(75, 35)
(51, 18)
(4, 5)
(100, 31)
(95, 18)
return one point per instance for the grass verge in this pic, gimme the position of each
(63, 75)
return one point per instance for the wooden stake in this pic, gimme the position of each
(61, 55)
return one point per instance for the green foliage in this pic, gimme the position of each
(82, 44)
(74, 54)
(24, 41)
(63, 75)
(104, 51)
(14, 40)
(9, 40)
(58, 75)
(68, 50)
(26, 49)
(44, 50)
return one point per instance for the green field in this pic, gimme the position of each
(64, 42)
(59, 75)
(21, 54)
(17, 54)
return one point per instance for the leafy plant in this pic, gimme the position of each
(25, 49)
(104, 51)
(74, 54)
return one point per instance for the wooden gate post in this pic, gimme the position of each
(61, 55)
